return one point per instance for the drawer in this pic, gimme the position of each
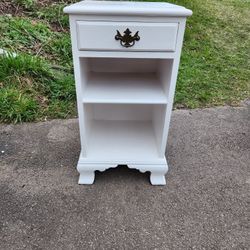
(111, 36)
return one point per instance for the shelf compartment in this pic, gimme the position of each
(123, 132)
(124, 80)
(124, 88)
(122, 141)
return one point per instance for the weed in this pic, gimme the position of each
(30, 82)
(54, 15)
(27, 4)
(16, 106)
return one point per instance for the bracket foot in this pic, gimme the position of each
(86, 177)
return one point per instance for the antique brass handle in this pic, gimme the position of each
(127, 40)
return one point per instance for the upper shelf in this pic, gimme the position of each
(127, 8)
(144, 88)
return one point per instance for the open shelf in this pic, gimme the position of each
(122, 141)
(125, 80)
(123, 132)
(124, 88)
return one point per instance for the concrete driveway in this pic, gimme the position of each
(205, 204)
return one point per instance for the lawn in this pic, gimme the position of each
(38, 83)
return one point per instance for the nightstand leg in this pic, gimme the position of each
(87, 177)
(157, 179)
(158, 171)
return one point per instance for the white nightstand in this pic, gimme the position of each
(126, 58)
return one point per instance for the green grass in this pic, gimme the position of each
(17, 106)
(38, 84)
(27, 4)
(214, 66)
(54, 15)
(24, 34)
(31, 90)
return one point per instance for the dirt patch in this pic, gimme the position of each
(50, 2)
(9, 7)
(15, 9)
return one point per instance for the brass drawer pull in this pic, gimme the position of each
(127, 40)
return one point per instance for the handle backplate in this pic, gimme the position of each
(127, 40)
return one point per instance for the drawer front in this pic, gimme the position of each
(104, 36)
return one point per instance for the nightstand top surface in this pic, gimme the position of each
(128, 8)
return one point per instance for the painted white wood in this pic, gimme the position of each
(125, 54)
(100, 36)
(125, 95)
(158, 117)
(117, 18)
(124, 88)
(121, 112)
(132, 65)
(112, 80)
(171, 87)
(127, 8)
(87, 171)
(79, 81)
(122, 141)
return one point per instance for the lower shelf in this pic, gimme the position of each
(121, 141)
